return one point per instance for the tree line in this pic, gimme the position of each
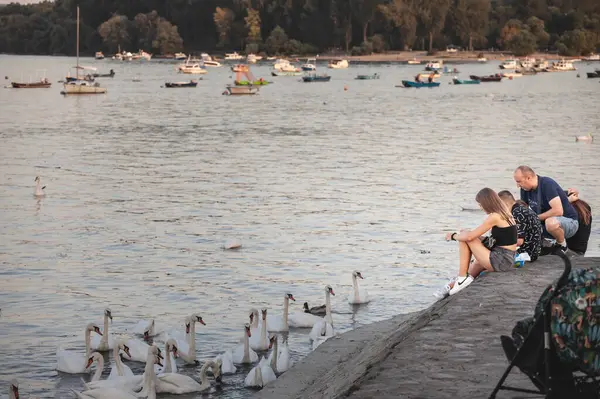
(570, 27)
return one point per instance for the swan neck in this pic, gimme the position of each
(355, 284)
(263, 331)
(192, 340)
(246, 347)
(118, 362)
(203, 376)
(274, 358)
(99, 368)
(328, 307)
(286, 305)
(88, 334)
(105, 332)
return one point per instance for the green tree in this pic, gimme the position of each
(223, 19)
(432, 15)
(471, 20)
(523, 43)
(276, 41)
(253, 26)
(400, 15)
(115, 32)
(167, 39)
(538, 28)
(576, 42)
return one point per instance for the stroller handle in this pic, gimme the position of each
(564, 278)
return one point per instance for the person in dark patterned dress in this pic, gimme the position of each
(529, 227)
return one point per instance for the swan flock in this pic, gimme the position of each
(260, 346)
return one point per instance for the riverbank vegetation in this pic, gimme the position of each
(570, 27)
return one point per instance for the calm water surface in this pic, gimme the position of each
(145, 184)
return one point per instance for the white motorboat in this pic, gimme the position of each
(192, 66)
(338, 64)
(593, 57)
(511, 75)
(233, 56)
(209, 61)
(99, 55)
(311, 65)
(414, 61)
(180, 56)
(434, 65)
(562, 66)
(481, 59)
(253, 59)
(527, 63)
(509, 64)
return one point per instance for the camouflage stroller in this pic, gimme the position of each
(559, 347)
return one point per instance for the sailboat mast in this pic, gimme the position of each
(77, 43)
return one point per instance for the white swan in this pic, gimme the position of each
(146, 328)
(359, 295)
(260, 342)
(73, 362)
(227, 366)
(189, 354)
(242, 354)
(180, 384)
(131, 383)
(138, 350)
(279, 323)
(307, 320)
(260, 375)
(279, 359)
(253, 319)
(39, 189)
(324, 327)
(170, 355)
(119, 369)
(107, 341)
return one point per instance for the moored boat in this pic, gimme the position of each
(240, 90)
(338, 64)
(434, 65)
(208, 61)
(42, 84)
(180, 56)
(192, 66)
(233, 56)
(191, 83)
(427, 75)
(457, 81)
(414, 61)
(310, 65)
(409, 83)
(286, 73)
(595, 74)
(509, 64)
(511, 75)
(313, 77)
(99, 55)
(368, 77)
(529, 71)
(489, 78)
(110, 74)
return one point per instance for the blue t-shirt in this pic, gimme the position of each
(547, 189)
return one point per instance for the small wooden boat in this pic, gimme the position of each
(240, 90)
(511, 75)
(259, 82)
(595, 74)
(191, 83)
(414, 61)
(409, 83)
(313, 77)
(42, 84)
(104, 75)
(286, 73)
(489, 78)
(368, 77)
(465, 82)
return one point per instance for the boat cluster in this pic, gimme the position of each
(261, 345)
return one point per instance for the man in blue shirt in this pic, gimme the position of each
(549, 201)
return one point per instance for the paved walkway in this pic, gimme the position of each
(450, 350)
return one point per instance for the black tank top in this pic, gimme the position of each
(505, 236)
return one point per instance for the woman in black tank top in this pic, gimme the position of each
(498, 255)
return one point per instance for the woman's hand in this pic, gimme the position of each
(573, 195)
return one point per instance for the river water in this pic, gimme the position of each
(146, 184)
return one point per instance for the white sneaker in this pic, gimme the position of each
(461, 283)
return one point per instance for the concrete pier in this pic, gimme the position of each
(450, 350)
